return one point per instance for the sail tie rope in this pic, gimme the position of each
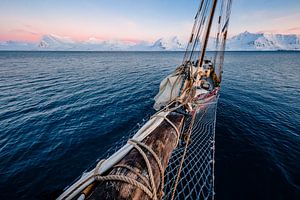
(134, 171)
(149, 189)
(136, 144)
(126, 179)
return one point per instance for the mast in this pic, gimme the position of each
(206, 37)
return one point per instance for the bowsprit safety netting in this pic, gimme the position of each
(196, 177)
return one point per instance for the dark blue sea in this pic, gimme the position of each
(60, 111)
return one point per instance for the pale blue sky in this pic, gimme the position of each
(135, 19)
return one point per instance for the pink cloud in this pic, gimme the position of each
(21, 35)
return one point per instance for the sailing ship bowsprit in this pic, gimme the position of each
(172, 155)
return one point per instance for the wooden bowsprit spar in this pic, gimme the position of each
(133, 166)
(159, 160)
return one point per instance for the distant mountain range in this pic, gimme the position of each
(242, 42)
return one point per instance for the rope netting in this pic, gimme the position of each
(196, 179)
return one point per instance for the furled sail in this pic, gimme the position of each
(169, 90)
(171, 87)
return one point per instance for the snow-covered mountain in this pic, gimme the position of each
(242, 42)
(55, 42)
(263, 41)
(169, 44)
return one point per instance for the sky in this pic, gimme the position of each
(135, 20)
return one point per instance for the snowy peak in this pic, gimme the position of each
(56, 42)
(172, 43)
(57, 39)
(263, 41)
(246, 37)
(289, 42)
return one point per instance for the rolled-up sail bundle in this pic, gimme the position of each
(168, 91)
(172, 87)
